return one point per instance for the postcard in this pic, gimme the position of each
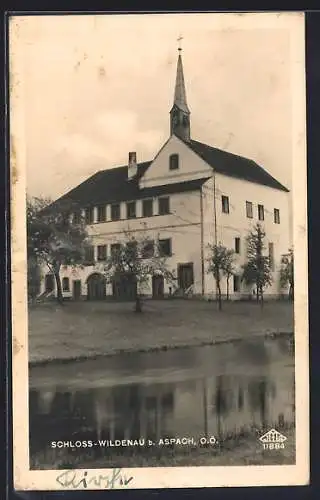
(159, 250)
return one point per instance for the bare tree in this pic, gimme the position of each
(229, 267)
(220, 263)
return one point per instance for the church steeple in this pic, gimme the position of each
(180, 114)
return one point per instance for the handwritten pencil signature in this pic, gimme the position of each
(76, 479)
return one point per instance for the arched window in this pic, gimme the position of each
(174, 162)
(185, 121)
(66, 284)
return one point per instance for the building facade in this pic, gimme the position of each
(189, 196)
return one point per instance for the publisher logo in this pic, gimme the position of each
(273, 440)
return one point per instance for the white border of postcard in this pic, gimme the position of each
(171, 477)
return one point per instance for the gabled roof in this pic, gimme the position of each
(233, 165)
(107, 186)
(112, 185)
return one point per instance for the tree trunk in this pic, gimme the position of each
(138, 308)
(228, 288)
(261, 297)
(219, 296)
(291, 292)
(138, 305)
(257, 292)
(59, 288)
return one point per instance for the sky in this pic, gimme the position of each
(97, 87)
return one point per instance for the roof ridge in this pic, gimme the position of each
(123, 166)
(226, 152)
(193, 144)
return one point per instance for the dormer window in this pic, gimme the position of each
(174, 162)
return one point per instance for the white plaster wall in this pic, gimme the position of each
(236, 224)
(191, 166)
(182, 225)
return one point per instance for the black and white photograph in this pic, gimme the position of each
(159, 250)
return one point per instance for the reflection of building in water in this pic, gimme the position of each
(133, 411)
(221, 405)
(240, 403)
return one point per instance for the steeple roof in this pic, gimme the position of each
(180, 97)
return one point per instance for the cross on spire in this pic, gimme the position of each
(179, 42)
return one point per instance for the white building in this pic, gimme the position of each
(190, 195)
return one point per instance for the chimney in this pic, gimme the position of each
(132, 165)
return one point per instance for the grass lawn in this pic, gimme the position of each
(87, 329)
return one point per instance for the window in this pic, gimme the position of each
(147, 208)
(249, 209)
(173, 162)
(89, 255)
(165, 247)
(236, 283)
(225, 204)
(89, 214)
(185, 120)
(115, 249)
(131, 210)
(237, 245)
(101, 252)
(102, 214)
(131, 249)
(115, 211)
(164, 206)
(260, 212)
(271, 256)
(148, 250)
(77, 217)
(65, 285)
(276, 215)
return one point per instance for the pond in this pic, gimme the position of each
(192, 406)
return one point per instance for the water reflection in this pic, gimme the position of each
(200, 392)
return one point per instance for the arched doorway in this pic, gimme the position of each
(124, 287)
(96, 287)
(157, 286)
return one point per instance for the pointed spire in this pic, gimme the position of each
(180, 97)
(180, 114)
